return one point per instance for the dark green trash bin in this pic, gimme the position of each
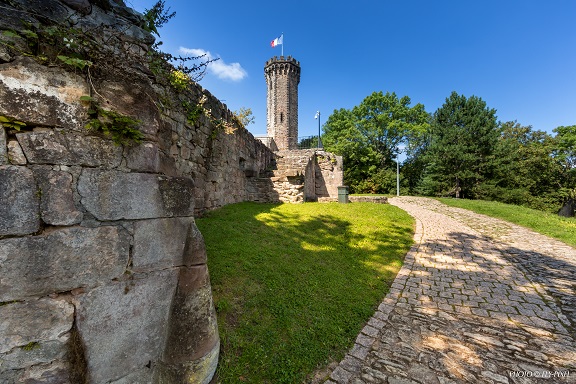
(343, 194)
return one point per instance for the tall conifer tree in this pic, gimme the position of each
(464, 133)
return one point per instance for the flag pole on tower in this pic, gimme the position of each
(278, 41)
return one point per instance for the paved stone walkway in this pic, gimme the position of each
(478, 300)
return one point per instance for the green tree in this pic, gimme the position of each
(565, 152)
(412, 170)
(244, 116)
(525, 170)
(463, 135)
(565, 141)
(368, 137)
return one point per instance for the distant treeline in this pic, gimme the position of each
(461, 150)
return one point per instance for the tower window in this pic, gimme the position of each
(281, 117)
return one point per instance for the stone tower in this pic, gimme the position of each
(282, 77)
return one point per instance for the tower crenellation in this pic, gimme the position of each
(282, 78)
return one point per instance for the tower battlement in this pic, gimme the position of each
(282, 77)
(282, 59)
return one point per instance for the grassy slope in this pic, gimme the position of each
(561, 228)
(293, 284)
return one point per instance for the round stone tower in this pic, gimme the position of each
(282, 77)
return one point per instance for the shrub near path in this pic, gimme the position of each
(294, 284)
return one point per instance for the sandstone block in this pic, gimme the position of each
(123, 324)
(193, 332)
(69, 149)
(132, 100)
(54, 372)
(35, 321)
(41, 95)
(199, 371)
(143, 158)
(114, 195)
(33, 353)
(3, 148)
(141, 376)
(15, 154)
(56, 201)
(61, 260)
(165, 243)
(19, 211)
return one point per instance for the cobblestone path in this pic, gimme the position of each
(478, 300)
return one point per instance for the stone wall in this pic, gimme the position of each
(307, 175)
(103, 275)
(101, 262)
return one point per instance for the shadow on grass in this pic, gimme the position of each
(294, 284)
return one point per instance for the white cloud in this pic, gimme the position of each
(232, 71)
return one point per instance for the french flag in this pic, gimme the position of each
(277, 41)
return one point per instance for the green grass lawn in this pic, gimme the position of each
(561, 228)
(294, 284)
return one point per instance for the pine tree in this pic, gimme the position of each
(464, 134)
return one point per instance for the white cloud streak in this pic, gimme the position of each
(219, 68)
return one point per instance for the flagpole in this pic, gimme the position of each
(319, 130)
(282, 43)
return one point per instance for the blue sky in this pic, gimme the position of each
(518, 56)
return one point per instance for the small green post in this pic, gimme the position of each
(343, 194)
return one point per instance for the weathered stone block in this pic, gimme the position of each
(61, 260)
(69, 149)
(38, 321)
(130, 99)
(114, 195)
(56, 201)
(50, 373)
(167, 242)
(177, 195)
(19, 211)
(15, 153)
(41, 95)
(3, 148)
(33, 353)
(199, 371)
(193, 340)
(123, 324)
(143, 158)
(141, 376)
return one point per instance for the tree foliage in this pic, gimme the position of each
(244, 116)
(459, 158)
(157, 16)
(369, 136)
(565, 141)
(525, 170)
(460, 151)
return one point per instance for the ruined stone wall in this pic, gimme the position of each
(328, 175)
(225, 161)
(99, 253)
(307, 175)
(103, 275)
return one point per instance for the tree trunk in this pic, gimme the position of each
(568, 209)
(457, 188)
